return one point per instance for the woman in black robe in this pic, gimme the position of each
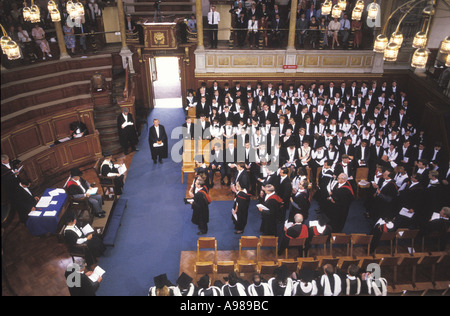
(73, 235)
(240, 209)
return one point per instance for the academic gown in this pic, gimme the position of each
(200, 207)
(163, 151)
(24, 202)
(293, 232)
(242, 202)
(301, 203)
(338, 211)
(127, 134)
(269, 217)
(86, 288)
(95, 246)
(118, 180)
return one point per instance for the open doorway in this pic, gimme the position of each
(167, 86)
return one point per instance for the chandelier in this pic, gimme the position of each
(75, 10)
(54, 12)
(390, 47)
(9, 47)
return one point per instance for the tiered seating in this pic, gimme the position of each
(390, 264)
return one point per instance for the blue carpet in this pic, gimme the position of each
(156, 225)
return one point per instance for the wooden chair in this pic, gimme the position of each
(345, 263)
(309, 263)
(267, 267)
(362, 173)
(405, 233)
(223, 267)
(77, 250)
(246, 266)
(340, 239)
(388, 236)
(361, 239)
(389, 261)
(413, 293)
(81, 208)
(207, 243)
(444, 263)
(188, 164)
(105, 182)
(365, 261)
(295, 243)
(267, 242)
(319, 240)
(409, 261)
(291, 264)
(431, 261)
(328, 260)
(434, 292)
(248, 242)
(435, 234)
(202, 268)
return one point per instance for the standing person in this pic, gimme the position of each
(157, 139)
(69, 37)
(213, 23)
(269, 209)
(200, 207)
(341, 197)
(26, 200)
(127, 131)
(240, 209)
(357, 34)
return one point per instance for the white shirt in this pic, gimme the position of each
(216, 17)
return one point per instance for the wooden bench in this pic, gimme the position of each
(114, 222)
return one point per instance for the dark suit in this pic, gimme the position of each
(216, 159)
(202, 109)
(359, 156)
(24, 202)
(243, 179)
(162, 151)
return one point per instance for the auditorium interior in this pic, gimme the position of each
(149, 71)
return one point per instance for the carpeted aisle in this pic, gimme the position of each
(156, 225)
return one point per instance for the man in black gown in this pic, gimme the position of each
(157, 139)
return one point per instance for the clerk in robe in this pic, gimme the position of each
(157, 139)
(300, 201)
(200, 207)
(240, 208)
(295, 230)
(108, 169)
(73, 235)
(26, 200)
(127, 131)
(269, 212)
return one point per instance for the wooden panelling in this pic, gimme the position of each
(26, 140)
(43, 131)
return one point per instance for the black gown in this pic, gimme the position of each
(200, 207)
(95, 246)
(242, 201)
(118, 180)
(269, 217)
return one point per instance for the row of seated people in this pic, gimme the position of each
(325, 282)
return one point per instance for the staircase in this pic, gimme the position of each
(169, 9)
(106, 111)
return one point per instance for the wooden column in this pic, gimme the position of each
(199, 17)
(60, 36)
(123, 33)
(292, 24)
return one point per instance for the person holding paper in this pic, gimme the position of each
(87, 287)
(269, 209)
(157, 139)
(78, 188)
(108, 169)
(78, 129)
(240, 208)
(341, 197)
(73, 235)
(127, 131)
(438, 222)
